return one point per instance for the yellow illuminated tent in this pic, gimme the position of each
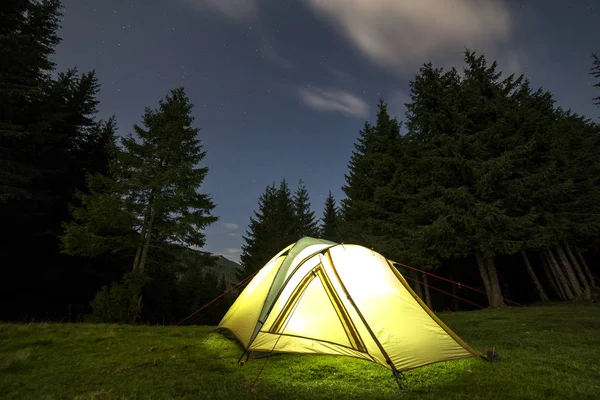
(320, 297)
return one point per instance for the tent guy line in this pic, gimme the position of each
(454, 282)
(443, 291)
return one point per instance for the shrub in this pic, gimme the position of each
(120, 302)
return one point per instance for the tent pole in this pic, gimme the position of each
(242, 356)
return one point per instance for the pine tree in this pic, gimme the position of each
(273, 227)
(595, 72)
(286, 225)
(151, 193)
(435, 188)
(62, 149)
(372, 165)
(28, 37)
(573, 215)
(329, 229)
(454, 122)
(258, 238)
(305, 217)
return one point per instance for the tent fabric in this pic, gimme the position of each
(320, 297)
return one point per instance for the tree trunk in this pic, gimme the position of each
(585, 267)
(495, 282)
(569, 271)
(534, 278)
(558, 278)
(136, 260)
(417, 284)
(484, 275)
(487, 269)
(137, 266)
(455, 304)
(147, 240)
(587, 290)
(562, 280)
(552, 278)
(427, 293)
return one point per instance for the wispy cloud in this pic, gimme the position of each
(233, 234)
(232, 251)
(402, 34)
(240, 10)
(333, 100)
(231, 226)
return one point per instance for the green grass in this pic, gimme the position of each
(547, 352)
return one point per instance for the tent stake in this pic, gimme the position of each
(398, 377)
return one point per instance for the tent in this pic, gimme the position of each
(320, 297)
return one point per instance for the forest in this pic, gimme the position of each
(486, 182)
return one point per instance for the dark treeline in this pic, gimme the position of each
(94, 223)
(486, 182)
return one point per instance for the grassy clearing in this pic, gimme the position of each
(547, 352)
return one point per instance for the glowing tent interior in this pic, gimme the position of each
(320, 297)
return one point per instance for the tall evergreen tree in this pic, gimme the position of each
(372, 165)
(329, 229)
(457, 125)
(258, 238)
(287, 226)
(305, 217)
(28, 37)
(152, 188)
(595, 72)
(67, 145)
(273, 227)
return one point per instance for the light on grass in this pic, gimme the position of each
(207, 369)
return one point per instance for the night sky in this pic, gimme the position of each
(282, 87)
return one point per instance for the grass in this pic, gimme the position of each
(547, 352)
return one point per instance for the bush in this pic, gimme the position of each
(120, 302)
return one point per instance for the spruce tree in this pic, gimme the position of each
(28, 37)
(305, 217)
(436, 194)
(273, 227)
(454, 121)
(62, 149)
(329, 229)
(258, 247)
(151, 193)
(286, 224)
(372, 165)
(595, 72)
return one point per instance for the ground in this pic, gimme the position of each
(547, 352)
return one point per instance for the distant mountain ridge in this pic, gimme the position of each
(226, 268)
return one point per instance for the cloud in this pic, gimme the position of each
(403, 34)
(334, 100)
(239, 10)
(231, 226)
(232, 251)
(233, 234)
